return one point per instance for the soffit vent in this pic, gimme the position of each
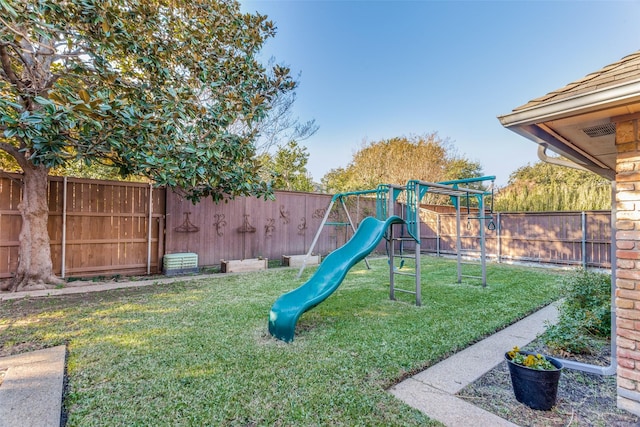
(600, 130)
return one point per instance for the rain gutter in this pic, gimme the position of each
(545, 137)
(558, 161)
(578, 104)
(530, 122)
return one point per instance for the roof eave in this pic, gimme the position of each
(530, 122)
(541, 136)
(579, 104)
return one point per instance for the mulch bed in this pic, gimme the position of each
(583, 399)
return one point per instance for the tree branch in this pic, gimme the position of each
(5, 60)
(11, 150)
(13, 30)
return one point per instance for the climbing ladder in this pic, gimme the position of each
(400, 239)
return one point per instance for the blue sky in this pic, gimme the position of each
(373, 70)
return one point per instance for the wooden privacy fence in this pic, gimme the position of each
(565, 238)
(96, 227)
(111, 228)
(251, 228)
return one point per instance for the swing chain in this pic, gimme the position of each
(491, 225)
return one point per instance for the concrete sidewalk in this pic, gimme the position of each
(75, 288)
(32, 387)
(433, 391)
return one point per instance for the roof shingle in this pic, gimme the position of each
(626, 69)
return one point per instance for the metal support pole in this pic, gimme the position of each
(418, 247)
(458, 243)
(583, 224)
(64, 228)
(149, 228)
(483, 243)
(392, 292)
(353, 227)
(315, 239)
(418, 284)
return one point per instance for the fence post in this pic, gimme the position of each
(149, 228)
(438, 225)
(64, 227)
(584, 239)
(498, 241)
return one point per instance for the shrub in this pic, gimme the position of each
(585, 313)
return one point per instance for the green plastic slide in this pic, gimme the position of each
(290, 306)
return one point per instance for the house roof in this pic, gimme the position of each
(625, 70)
(575, 120)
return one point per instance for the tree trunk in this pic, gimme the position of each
(35, 269)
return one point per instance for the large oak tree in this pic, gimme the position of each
(398, 160)
(167, 89)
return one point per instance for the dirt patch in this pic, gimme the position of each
(583, 399)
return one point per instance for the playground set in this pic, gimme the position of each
(288, 308)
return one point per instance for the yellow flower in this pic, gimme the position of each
(513, 352)
(537, 361)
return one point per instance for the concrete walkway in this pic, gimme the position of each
(433, 391)
(31, 392)
(75, 288)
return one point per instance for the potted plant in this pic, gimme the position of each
(534, 378)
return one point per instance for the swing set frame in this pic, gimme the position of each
(386, 197)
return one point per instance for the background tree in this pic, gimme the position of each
(166, 89)
(398, 160)
(287, 168)
(280, 126)
(338, 180)
(546, 187)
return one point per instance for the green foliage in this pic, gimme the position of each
(7, 162)
(338, 180)
(288, 168)
(546, 187)
(398, 160)
(93, 170)
(170, 89)
(584, 314)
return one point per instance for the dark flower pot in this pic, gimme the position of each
(536, 389)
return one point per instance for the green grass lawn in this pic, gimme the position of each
(199, 353)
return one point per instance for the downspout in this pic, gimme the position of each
(572, 364)
(542, 155)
